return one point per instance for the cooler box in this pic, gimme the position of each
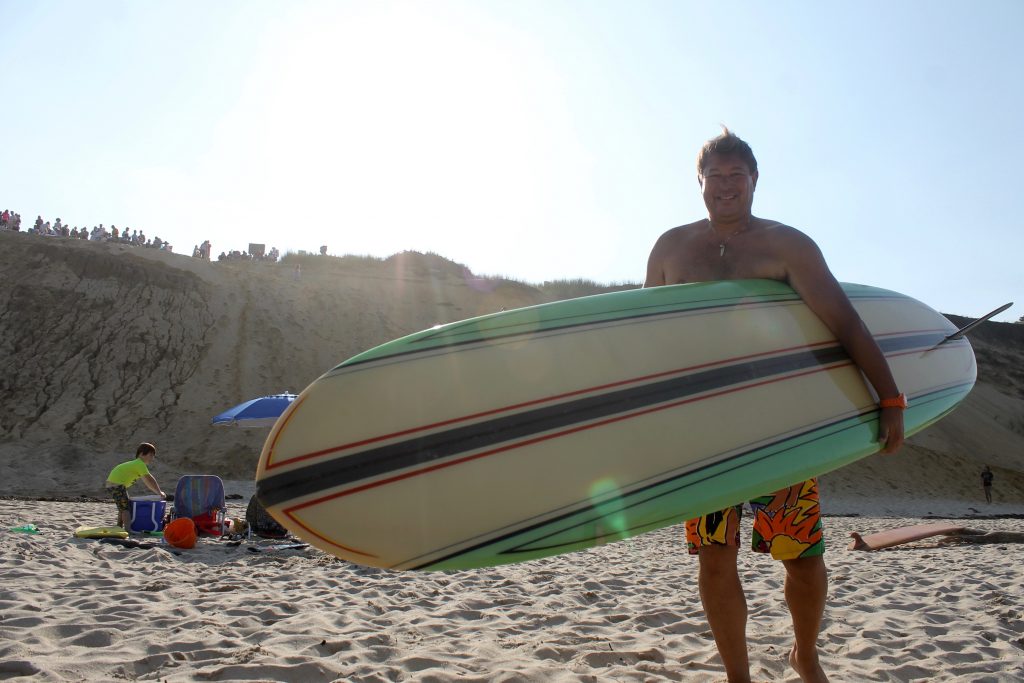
(147, 513)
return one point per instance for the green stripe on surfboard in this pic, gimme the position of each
(600, 308)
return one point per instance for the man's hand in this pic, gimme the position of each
(890, 429)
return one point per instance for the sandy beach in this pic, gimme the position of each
(201, 337)
(83, 610)
(530, 276)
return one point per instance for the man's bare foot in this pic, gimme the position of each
(809, 670)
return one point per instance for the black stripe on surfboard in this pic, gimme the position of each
(919, 400)
(423, 450)
(637, 497)
(641, 313)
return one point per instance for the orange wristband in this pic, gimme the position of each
(898, 402)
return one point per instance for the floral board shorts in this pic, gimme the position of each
(787, 524)
(120, 496)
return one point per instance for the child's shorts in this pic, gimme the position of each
(787, 524)
(120, 495)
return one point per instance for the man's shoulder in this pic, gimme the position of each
(684, 231)
(784, 235)
(777, 227)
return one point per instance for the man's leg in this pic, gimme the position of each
(726, 608)
(806, 591)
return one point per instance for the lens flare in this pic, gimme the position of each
(606, 499)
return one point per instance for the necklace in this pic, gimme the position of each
(723, 242)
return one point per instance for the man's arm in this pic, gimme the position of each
(655, 271)
(809, 275)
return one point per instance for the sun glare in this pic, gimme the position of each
(381, 131)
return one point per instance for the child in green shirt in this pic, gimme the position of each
(126, 474)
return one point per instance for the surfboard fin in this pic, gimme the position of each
(959, 334)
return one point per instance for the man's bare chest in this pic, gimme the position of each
(706, 262)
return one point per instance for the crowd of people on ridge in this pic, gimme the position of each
(10, 220)
(236, 255)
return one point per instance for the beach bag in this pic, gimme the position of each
(209, 523)
(261, 523)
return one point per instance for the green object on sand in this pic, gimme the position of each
(25, 529)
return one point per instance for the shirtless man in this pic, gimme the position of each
(733, 244)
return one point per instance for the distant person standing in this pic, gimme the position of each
(126, 474)
(986, 483)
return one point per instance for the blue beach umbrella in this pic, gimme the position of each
(259, 412)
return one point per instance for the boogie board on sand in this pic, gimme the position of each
(100, 532)
(558, 427)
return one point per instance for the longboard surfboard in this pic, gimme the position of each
(907, 534)
(558, 427)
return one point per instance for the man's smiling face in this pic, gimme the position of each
(728, 188)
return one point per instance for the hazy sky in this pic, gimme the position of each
(537, 140)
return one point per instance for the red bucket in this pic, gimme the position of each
(181, 533)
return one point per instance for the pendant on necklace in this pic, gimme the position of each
(723, 242)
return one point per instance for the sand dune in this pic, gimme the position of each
(106, 345)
